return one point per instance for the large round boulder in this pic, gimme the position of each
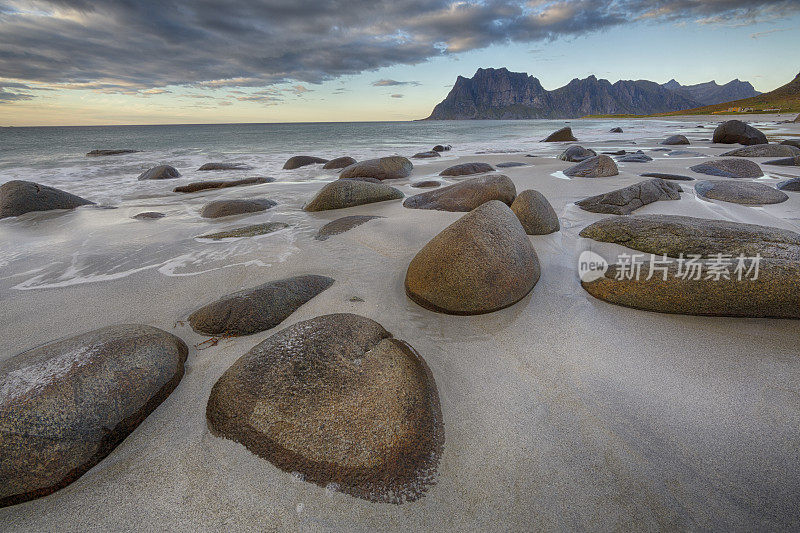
(384, 168)
(257, 309)
(745, 193)
(339, 162)
(764, 150)
(302, 161)
(349, 193)
(481, 263)
(227, 208)
(18, 197)
(675, 140)
(338, 401)
(599, 166)
(161, 172)
(729, 168)
(576, 154)
(466, 195)
(562, 135)
(736, 131)
(66, 405)
(465, 169)
(535, 213)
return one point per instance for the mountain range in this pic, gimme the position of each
(500, 94)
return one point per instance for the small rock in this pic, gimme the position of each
(785, 162)
(764, 150)
(792, 185)
(564, 134)
(465, 169)
(637, 157)
(615, 130)
(481, 263)
(355, 299)
(246, 231)
(340, 225)
(226, 208)
(385, 168)
(339, 401)
(747, 193)
(535, 213)
(675, 139)
(627, 200)
(302, 161)
(339, 162)
(426, 184)
(426, 155)
(729, 168)
(599, 166)
(257, 309)
(663, 176)
(149, 215)
(576, 154)
(18, 197)
(161, 172)
(618, 152)
(442, 148)
(685, 153)
(224, 166)
(99, 153)
(350, 192)
(510, 164)
(736, 131)
(220, 184)
(466, 195)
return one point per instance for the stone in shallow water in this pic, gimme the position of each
(600, 166)
(257, 309)
(465, 169)
(764, 150)
(466, 195)
(339, 401)
(677, 177)
(481, 263)
(564, 134)
(220, 184)
(747, 193)
(349, 193)
(615, 130)
(535, 213)
(442, 148)
(339, 162)
(100, 153)
(224, 166)
(18, 197)
(66, 405)
(149, 215)
(161, 172)
(736, 131)
(628, 199)
(302, 161)
(226, 208)
(340, 225)
(729, 168)
(384, 168)
(246, 231)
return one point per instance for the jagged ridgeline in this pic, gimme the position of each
(500, 94)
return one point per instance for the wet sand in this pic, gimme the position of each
(560, 412)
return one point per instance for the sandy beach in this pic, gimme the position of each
(561, 412)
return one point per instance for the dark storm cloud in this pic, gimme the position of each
(133, 46)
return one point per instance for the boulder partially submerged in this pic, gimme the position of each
(224, 166)
(339, 162)
(160, 172)
(253, 230)
(101, 153)
(18, 197)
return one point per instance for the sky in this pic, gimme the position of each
(85, 62)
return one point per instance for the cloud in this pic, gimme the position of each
(392, 83)
(120, 46)
(397, 96)
(9, 96)
(299, 90)
(760, 34)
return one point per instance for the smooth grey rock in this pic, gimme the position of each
(161, 172)
(627, 200)
(302, 161)
(564, 134)
(340, 225)
(600, 166)
(736, 131)
(339, 162)
(384, 168)
(675, 139)
(226, 208)
(729, 168)
(466, 195)
(576, 154)
(465, 169)
(197, 186)
(535, 213)
(18, 197)
(676, 177)
(745, 193)
(349, 193)
(764, 150)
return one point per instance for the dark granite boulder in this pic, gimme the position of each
(466, 195)
(339, 162)
(442, 148)
(100, 153)
(627, 200)
(745, 193)
(18, 197)
(465, 169)
(340, 225)
(576, 154)
(161, 172)
(615, 130)
(729, 168)
(302, 161)
(224, 166)
(562, 135)
(350, 192)
(599, 166)
(339, 401)
(384, 168)
(220, 184)
(736, 131)
(675, 139)
(67, 404)
(226, 208)
(535, 213)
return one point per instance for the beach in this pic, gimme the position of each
(560, 412)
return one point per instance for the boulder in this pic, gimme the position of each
(246, 231)
(729, 168)
(636, 157)
(792, 185)
(66, 405)
(576, 154)
(385, 168)
(465, 169)
(466, 195)
(672, 235)
(161, 172)
(616, 152)
(224, 166)
(535, 213)
(677, 177)
(745, 193)
(18, 197)
(627, 200)
(302, 161)
(615, 130)
(226, 208)
(764, 150)
(340, 225)
(348, 193)
(599, 166)
(785, 162)
(339, 162)
(791, 142)
(148, 215)
(481, 263)
(442, 148)
(257, 309)
(220, 184)
(685, 153)
(426, 184)
(736, 131)
(562, 135)
(338, 401)
(510, 164)
(426, 155)
(100, 153)
(675, 139)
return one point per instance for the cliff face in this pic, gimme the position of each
(500, 94)
(711, 93)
